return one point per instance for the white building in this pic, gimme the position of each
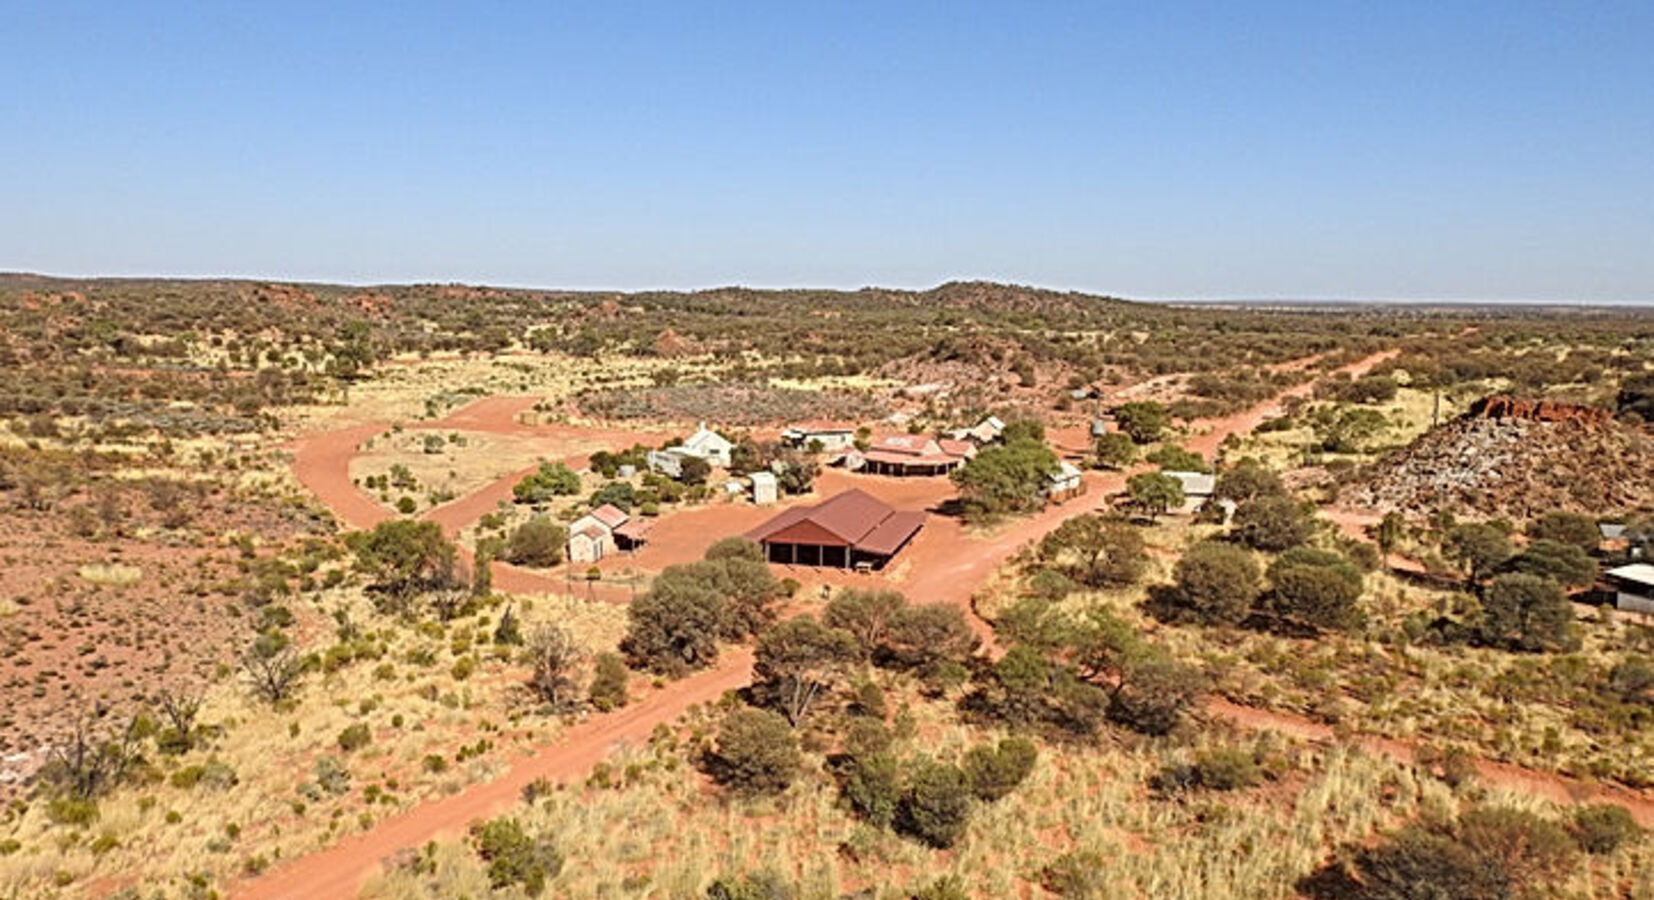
(982, 433)
(765, 488)
(831, 440)
(705, 444)
(1633, 587)
(592, 536)
(1197, 489)
(1064, 483)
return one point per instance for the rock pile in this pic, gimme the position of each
(1516, 458)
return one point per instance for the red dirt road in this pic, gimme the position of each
(322, 464)
(339, 870)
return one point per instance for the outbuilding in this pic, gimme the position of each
(850, 530)
(1633, 587)
(1065, 483)
(1197, 489)
(765, 488)
(826, 438)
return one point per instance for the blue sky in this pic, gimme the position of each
(1431, 150)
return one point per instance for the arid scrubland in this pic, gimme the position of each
(218, 661)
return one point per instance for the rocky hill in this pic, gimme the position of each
(1514, 457)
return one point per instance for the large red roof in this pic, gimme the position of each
(852, 519)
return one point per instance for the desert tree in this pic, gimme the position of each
(553, 656)
(1096, 551)
(1246, 481)
(1564, 562)
(1273, 522)
(1566, 528)
(1155, 493)
(936, 804)
(1214, 582)
(180, 708)
(1479, 548)
(273, 668)
(1143, 420)
(799, 660)
(1388, 533)
(674, 627)
(1114, 450)
(1528, 612)
(1314, 589)
(92, 759)
(866, 613)
(404, 558)
(537, 543)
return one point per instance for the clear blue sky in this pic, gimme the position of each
(1500, 150)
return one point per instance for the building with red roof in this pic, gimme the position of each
(849, 530)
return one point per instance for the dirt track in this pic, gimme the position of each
(943, 564)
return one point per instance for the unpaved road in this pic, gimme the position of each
(944, 571)
(339, 870)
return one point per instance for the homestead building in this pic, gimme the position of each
(851, 530)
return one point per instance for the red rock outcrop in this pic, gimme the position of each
(1504, 406)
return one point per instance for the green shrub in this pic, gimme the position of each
(994, 772)
(873, 787)
(608, 687)
(759, 886)
(1228, 769)
(68, 811)
(757, 752)
(936, 804)
(515, 858)
(1602, 828)
(355, 737)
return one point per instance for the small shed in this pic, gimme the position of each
(1065, 483)
(765, 488)
(1099, 427)
(1197, 489)
(1633, 587)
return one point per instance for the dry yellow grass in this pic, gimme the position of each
(414, 707)
(662, 832)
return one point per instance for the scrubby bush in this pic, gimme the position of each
(1214, 582)
(355, 737)
(1602, 828)
(756, 753)
(537, 543)
(994, 772)
(1272, 522)
(936, 804)
(608, 687)
(514, 857)
(1488, 854)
